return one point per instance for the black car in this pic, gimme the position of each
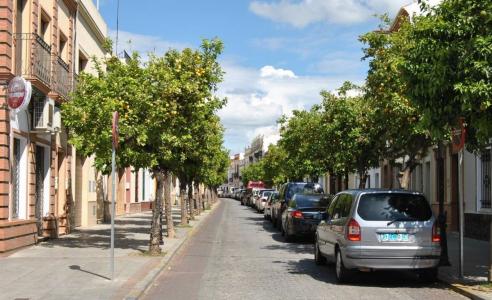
(303, 214)
(286, 192)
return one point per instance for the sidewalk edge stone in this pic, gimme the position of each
(143, 285)
(465, 292)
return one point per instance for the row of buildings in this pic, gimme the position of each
(46, 188)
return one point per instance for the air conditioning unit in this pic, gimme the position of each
(57, 120)
(43, 115)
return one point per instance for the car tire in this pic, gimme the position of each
(428, 275)
(319, 259)
(343, 274)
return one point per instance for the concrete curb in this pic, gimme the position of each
(143, 285)
(465, 291)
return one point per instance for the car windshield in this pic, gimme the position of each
(394, 206)
(266, 193)
(314, 201)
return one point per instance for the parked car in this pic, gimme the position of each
(286, 192)
(240, 194)
(379, 229)
(303, 214)
(255, 194)
(261, 199)
(267, 212)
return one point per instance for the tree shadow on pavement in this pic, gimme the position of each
(131, 232)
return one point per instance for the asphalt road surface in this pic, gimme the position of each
(238, 255)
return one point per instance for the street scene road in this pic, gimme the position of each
(236, 254)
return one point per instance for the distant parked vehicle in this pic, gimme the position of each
(303, 214)
(286, 192)
(251, 188)
(261, 199)
(379, 229)
(267, 212)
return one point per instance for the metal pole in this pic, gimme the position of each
(461, 211)
(117, 25)
(113, 174)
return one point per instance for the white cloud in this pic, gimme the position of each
(269, 71)
(255, 102)
(302, 13)
(144, 44)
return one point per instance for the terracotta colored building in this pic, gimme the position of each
(38, 168)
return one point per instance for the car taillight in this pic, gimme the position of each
(436, 235)
(353, 231)
(297, 214)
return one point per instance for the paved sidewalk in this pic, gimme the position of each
(476, 259)
(76, 266)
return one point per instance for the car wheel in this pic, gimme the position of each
(319, 259)
(343, 274)
(428, 275)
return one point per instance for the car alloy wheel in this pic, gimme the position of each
(343, 274)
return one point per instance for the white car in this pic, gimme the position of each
(261, 199)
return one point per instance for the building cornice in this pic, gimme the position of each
(71, 5)
(84, 13)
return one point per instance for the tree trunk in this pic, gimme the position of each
(191, 201)
(198, 198)
(154, 245)
(404, 178)
(363, 180)
(207, 198)
(182, 200)
(168, 205)
(444, 261)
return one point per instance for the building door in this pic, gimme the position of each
(39, 191)
(77, 205)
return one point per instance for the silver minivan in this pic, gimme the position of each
(371, 230)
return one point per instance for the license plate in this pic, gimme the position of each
(394, 237)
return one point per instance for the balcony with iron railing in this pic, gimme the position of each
(63, 78)
(32, 57)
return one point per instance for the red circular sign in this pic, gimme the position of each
(19, 93)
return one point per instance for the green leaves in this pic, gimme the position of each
(167, 112)
(447, 68)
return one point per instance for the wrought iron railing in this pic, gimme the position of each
(63, 78)
(32, 57)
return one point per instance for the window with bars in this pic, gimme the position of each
(15, 179)
(37, 110)
(485, 187)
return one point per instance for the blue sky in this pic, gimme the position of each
(279, 54)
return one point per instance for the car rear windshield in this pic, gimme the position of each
(311, 200)
(388, 207)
